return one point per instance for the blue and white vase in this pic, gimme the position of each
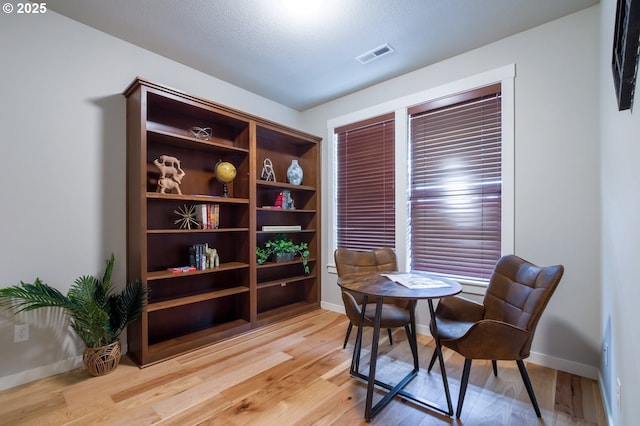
(294, 173)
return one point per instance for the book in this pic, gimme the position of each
(214, 216)
(415, 281)
(197, 257)
(181, 269)
(192, 256)
(202, 217)
(282, 228)
(208, 215)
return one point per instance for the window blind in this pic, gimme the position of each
(365, 183)
(456, 181)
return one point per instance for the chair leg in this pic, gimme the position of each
(346, 338)
(390, 339)
(463, 385)
(495, 367)
(527, 384)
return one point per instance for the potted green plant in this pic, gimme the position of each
(98, 313)
(282, 249)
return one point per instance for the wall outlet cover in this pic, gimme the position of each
(20, 333)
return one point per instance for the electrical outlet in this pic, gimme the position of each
(20, 333)
(618, 393)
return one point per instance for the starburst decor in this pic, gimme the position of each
(187, 217)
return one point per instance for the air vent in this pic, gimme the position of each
(374, 54)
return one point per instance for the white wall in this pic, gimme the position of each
(557, 210)
(62, 121)
(620, 148)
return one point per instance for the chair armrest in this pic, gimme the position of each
(461, 309)
(491, 339)
(351, 307)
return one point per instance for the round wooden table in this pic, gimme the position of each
(379, 286)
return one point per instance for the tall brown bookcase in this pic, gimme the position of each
(188, 310)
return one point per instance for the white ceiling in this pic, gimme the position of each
(303, 60)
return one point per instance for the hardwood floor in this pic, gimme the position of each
(295, 373)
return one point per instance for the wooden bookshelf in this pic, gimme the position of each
(188, 310)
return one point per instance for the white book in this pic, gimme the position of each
(282, 228)
(201, 216)
(415, 281)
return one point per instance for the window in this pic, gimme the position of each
(501, 82)
(365, 184)
(456, 184)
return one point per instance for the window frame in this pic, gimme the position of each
(506, 77)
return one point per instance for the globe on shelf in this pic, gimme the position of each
(225, 173)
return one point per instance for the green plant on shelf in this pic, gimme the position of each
(281, 245)
(262, 255)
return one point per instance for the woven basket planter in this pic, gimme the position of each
(102, 360)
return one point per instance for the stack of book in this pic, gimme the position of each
(198, 256)
(208, 215)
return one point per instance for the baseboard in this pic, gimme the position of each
(568, 366)
(333, 307)
(608, 411)
(565, 365)
(37, 373)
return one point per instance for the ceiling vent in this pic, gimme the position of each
(373, 54)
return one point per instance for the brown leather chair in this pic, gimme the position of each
(502, 327)
(395, 313)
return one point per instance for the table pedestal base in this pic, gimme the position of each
(394, 390)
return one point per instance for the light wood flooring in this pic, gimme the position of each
(295, 373)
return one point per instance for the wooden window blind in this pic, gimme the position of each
(366, 184)
(455, 184)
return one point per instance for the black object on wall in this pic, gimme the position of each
(625, 51)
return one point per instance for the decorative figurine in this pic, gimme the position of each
(213, 260)
(165, 184)
(203, 133)
(267, 171)
(288, 200)
(168, 166)
(171, 173)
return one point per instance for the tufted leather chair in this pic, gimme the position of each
(395, 313)
(502, 327)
